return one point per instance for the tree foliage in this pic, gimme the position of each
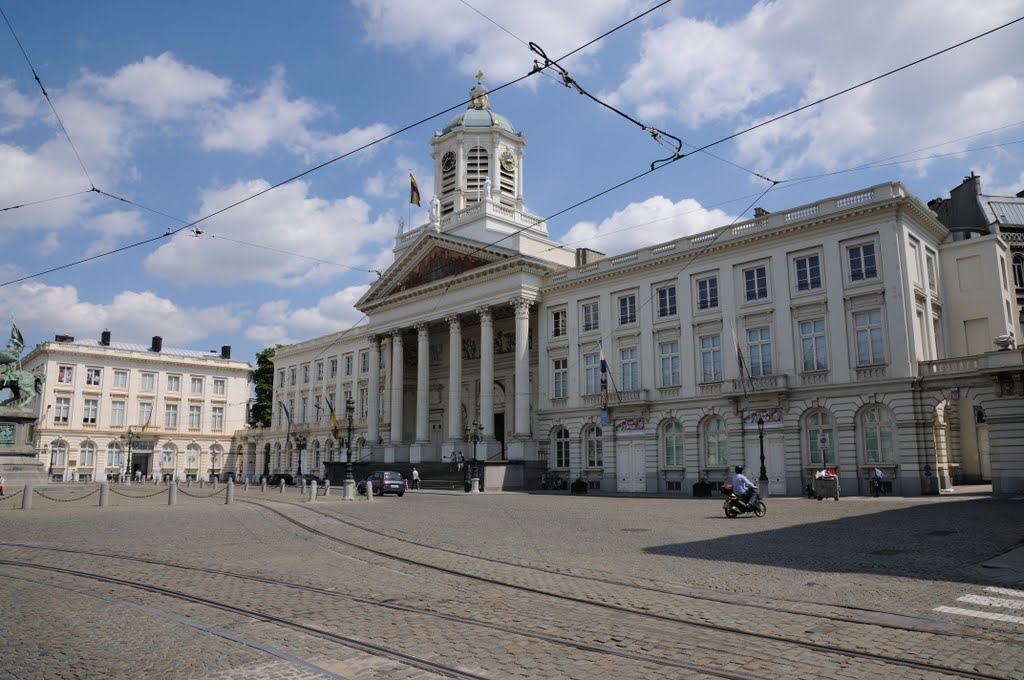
(263, 377)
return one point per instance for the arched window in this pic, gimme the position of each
(192, 457)
(276, 461)
(87, 454)
(115, 455)
(329, 451)
(560, 439)
(167, 455)
(876, 423)
(593, 446)
(716, 443)
(672, 443)
(59, 453)
(1018, 271)
(821, 439)
(316, 454)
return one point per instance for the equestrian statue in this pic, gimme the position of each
(25, 386)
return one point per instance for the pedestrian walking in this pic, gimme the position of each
(876, 483)
(415, 478)
(1, 485)
(455, 461)
(462, 462)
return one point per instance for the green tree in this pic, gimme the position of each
(263, 377)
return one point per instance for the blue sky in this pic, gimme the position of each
(184, 108)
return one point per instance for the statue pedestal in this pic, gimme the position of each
(19, 460)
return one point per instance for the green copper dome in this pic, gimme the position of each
(479, 114)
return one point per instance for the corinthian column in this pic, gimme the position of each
(486, 372)
(422, 382)
(454, 378)
(373, 393)
(522, 362)
(397, 385)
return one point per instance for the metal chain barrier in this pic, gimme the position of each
(128, 495)
(65, 500)
(210, 495)
(9, 496)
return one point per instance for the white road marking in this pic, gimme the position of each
(1004, 591)
(992, 601)
(980, 615)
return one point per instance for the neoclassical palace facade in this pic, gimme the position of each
(851, 333)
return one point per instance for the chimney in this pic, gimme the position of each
(63, 338)
(158, 343)
(225, 351)
(105, 338)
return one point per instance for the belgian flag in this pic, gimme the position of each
(414, 191)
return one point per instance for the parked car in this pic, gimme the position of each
(309, 479)
(384, 481)
(275, 480)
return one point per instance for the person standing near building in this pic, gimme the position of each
(876, 483)
(1, 485)
(415, 478)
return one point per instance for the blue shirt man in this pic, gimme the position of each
(741, 486)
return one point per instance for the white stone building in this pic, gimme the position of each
(849, 333)
(176, 410)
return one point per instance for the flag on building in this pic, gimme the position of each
(148, 418)
(334, 418)
(288, 417)
(414, 191)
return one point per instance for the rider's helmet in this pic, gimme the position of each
(739, 469)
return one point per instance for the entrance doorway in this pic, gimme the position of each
(499, 431)
(629, 467)
(774, 462)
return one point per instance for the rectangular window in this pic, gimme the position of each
(120, 378)
(808, 272)
(280, 378)
(302, 414)
(707, 293)
(319, 371)
(812, 345)
(197, 385)
(560, 375)
(219, 387)
(117, 411)
(666, 301)
(711, 358)
(591, 374)
(590, 316)
(305, 374)
(930, 265)
(558, 327)
(630, 369)
(759, 346)
(174, 383)
(92, 376)
(862, 262)
(364, 398)
(171, 416)
(317, 408)
(867, 327)
(627, 309)
(195, 416)
(348, 366)
(292, 373)
(90, 408)
(364, 362)
(217, 418)
(755, 283)
(62, 410)
(333, 368)
(148, 382)
(668, 353)
(66, 374)
(145, 413)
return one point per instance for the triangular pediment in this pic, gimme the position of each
(434, 258)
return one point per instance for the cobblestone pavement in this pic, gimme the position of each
(896, 577)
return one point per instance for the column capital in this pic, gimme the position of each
(522, 306)
(486, 316)
(421, 327)
(396, 334)
(373, 339)
(454, 322)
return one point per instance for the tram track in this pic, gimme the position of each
(710, 632)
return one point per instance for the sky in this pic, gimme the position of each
(177, 111)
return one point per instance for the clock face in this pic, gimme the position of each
(448, 161)
(508, 161)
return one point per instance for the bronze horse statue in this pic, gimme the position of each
(25, 386)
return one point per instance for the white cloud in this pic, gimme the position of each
(15, 108)
(286, 237)
(112, 226)
(162, 87)
(279, 323)
(638, 225)
(136, 316)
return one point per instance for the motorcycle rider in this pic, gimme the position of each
(744, 489)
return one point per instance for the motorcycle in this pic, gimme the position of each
(735, 507)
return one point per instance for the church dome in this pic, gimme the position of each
(479, 114)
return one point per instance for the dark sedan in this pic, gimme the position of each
(384, 481)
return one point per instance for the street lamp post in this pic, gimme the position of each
(763, 476)
(474, 480)
(300, 443)
(128, 438)
(350, 481)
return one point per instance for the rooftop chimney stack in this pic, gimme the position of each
(105, 338)
(158, 343)
(225, 351)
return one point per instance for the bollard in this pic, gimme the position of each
(104, 494)
(188, 483)
(26, 498)
(327, 488)
(263, 483)
(281, 486)
(369, 490)
(172, 494)
(200, 483)
(214, 483)
(156, 480)
(312, 491)
(302, 486)
(229, 495)
(245, 486)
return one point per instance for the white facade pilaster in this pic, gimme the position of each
(373, 394)
(454, 379)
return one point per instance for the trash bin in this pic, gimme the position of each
(826, 486)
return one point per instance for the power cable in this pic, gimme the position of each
(46, 200)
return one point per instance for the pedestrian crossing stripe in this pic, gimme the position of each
(1012, 599)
